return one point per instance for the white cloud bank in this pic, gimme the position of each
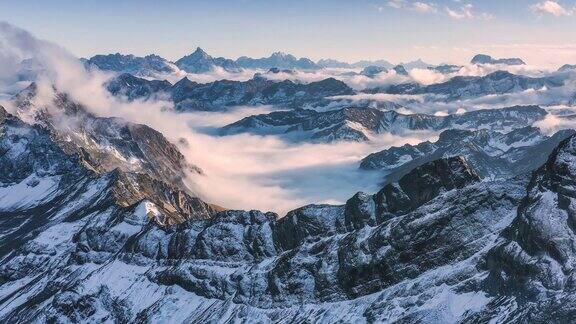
(243, 171)
(550, 7)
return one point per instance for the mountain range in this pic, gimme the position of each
(220, 95)
(144, 66)
(492, 154)
(362, 124)
(201, 62)
(463, 87)
(437, 245)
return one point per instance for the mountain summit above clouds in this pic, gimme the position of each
(150, 65)
(201, 62)
(278, 60)
(487, 59)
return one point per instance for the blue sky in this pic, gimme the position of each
(541, 31)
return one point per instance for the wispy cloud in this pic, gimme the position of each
(467, 12)
(550, 7)
(459, 12)
(425, 7)
(418, 6)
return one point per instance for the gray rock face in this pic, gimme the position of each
(533, 264)
(487, 59)
(463, 87)
(201, 62)
(277, 60)
(492, 154)
(144, 66)
(359, 124)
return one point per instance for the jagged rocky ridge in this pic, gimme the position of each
(464, 87)
(188, 95)
(43, 181)
(277, 60)
(201, 62)
(104, 144)
(250, 266)
(532, 266)
(438, 245)
(492, 154)
(360, 124)
(81, 243)
(148, 66)
(567, 68)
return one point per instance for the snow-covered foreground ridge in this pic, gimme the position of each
(89, 242)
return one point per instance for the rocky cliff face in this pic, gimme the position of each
(43, 184)
(533, 264)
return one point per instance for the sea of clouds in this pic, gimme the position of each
(248, 171)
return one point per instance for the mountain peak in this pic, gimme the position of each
(487, 59)
(279, 54)
(200, 51)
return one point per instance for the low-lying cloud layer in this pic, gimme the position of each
(242, 171)
(249, 171)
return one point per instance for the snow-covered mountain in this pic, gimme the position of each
(84, 241)
(148, 66)
(487, 59)
(104, 144)
(278, 60)
(201, 62)
(491, 154)
(400, 254)
(463, 87)
(567, 67)
(219, 95)
(372, 70)
(132, 87)
(360, 124)
(531, 267)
